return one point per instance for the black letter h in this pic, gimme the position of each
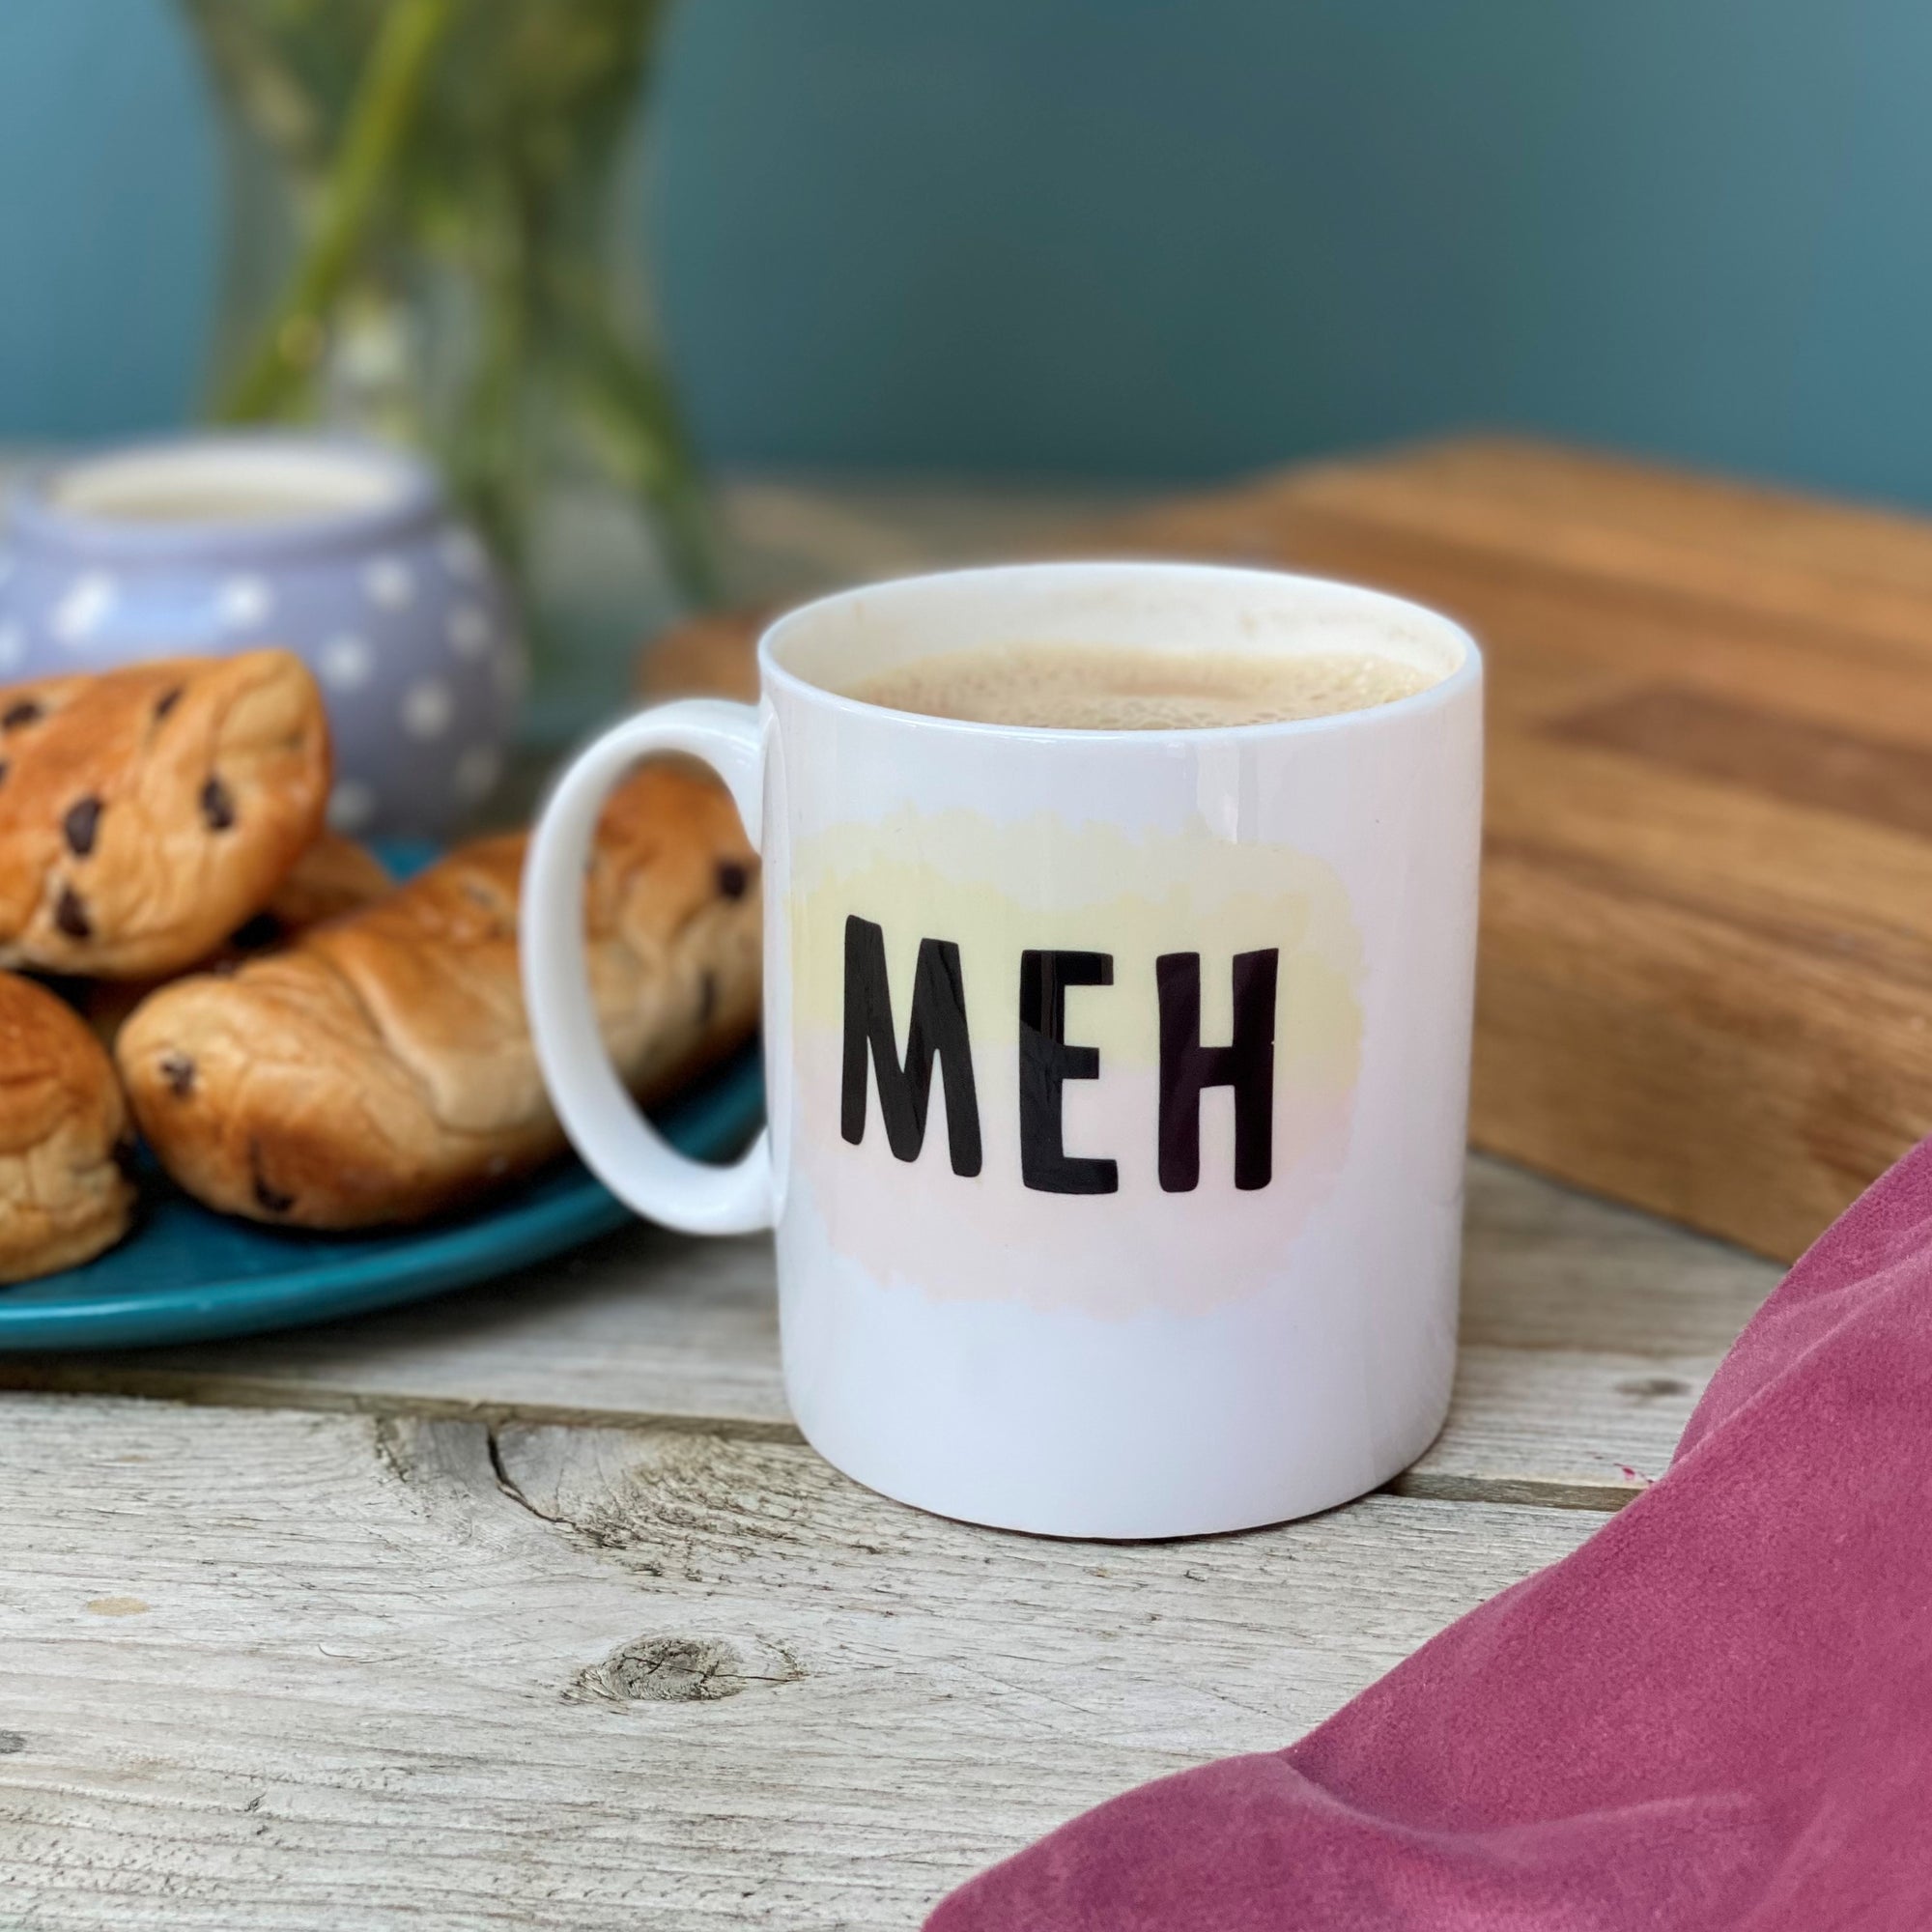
(1246, 1065)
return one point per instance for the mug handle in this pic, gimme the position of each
(619, 1146)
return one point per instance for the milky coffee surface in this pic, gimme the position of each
(1112, 688)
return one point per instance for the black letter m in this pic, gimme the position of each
(938, 1030)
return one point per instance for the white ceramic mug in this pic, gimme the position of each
(1118, 1080)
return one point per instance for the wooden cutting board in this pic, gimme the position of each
(1705, 983)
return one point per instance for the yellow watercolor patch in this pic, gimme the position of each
(997, 889)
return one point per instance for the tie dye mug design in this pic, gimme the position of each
(1117, 1079)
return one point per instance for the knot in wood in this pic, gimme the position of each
(674, 1670)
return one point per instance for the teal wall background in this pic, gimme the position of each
(1140, 238)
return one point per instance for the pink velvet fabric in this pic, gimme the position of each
(1717, 1713)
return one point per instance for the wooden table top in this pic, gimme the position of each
(529, 1608)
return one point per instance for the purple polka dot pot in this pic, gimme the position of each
(344, 553)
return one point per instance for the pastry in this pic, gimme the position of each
(334, 876)
(147, 813)
(64, 1190)
(381, 1067)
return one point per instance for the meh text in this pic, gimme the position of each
(937, 1033)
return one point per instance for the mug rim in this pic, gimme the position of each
(1469, 670)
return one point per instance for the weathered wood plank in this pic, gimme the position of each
(1588, 1333)
(271, 1670)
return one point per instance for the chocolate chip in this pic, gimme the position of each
(3, 771)
(177, 1071)
(26, 712)
(166, 702)
(81, 823)
(707, 998)
(216, 805)
(266, 1194)
(732, 878)
(272, 1198)
(70, 915)
(252, 934)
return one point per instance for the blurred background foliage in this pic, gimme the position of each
(1126, 237)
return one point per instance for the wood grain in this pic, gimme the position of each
(1588, 1333)
(268, 1670)
(1742, 746)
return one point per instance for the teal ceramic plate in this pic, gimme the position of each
(187, 1275)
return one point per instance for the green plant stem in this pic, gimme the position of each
(377, 125)
(485, 449)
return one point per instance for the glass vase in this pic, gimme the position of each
(433, 240)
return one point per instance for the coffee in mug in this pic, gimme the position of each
(1106, 688)
(1117, 1033)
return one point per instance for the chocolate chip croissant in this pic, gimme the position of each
(334, 876)
(147, 813)
(64, 1191)
(381, 1069)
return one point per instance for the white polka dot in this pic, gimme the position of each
(463, 556)
(12, 645)
(468, 630)
(390, 582)
(351, 805)
(244, 602)
(426, 708)
(477, 771)
(80, 612)
(347, 661)
(509, 671)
